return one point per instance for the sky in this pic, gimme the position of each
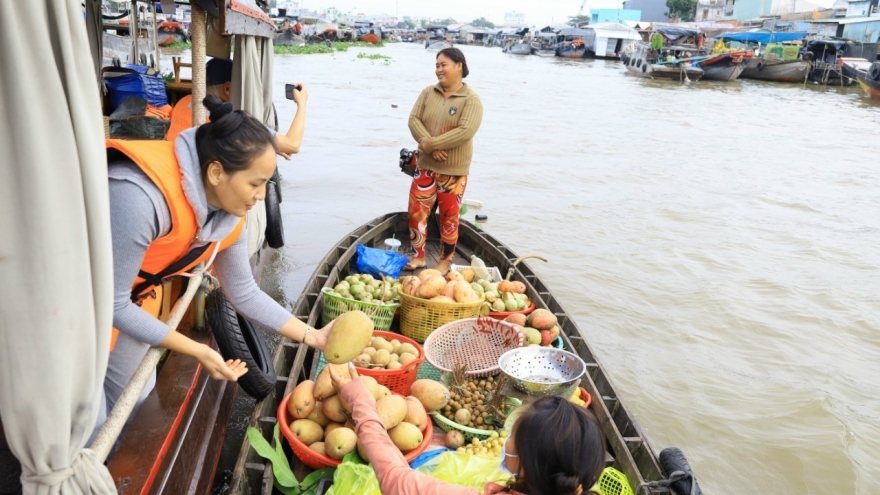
(538, 12)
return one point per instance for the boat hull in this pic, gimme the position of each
(871, 87)
(794, 71)
(437, 45)
(714, 72)
(628, 448)
(520, 49)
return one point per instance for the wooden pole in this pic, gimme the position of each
(198, 28)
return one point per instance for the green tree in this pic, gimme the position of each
(577, 19)
(681, 9)
(482, 22)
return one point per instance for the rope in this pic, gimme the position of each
(674, 477)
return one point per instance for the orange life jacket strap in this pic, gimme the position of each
(153, 279)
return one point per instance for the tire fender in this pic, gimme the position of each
(672, 461)
(274, 223)
(237, 338)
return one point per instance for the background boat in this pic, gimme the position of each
(725, 66)
(638, 61)
(870, 80)
(793, 71)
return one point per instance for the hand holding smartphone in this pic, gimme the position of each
(288, 90)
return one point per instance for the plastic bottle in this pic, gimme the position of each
(479, 268)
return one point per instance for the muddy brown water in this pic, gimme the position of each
(716, 242)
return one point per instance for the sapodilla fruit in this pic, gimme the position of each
(406, 436)
(432, 394)
(454, 439)
(516, 319)
(302, 400)
(406, 347)
(340, 442)
(541, 319)
(307, 431)
(350, 334)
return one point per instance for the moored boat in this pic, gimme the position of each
(519, 49)
(628, 448)
(639, 61)
(851, 67)
(792, 71)
(170, 32)
(870, 80)
(725, 66)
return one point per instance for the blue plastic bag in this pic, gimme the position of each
(137, 80)
(375, 261)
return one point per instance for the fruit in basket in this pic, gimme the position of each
(332, 426)
(371, 384)
(383, 391)
(541, 319)
(394, 365)
(519, 287)
(382, 357)
(505, 286)
(454, 276)
(406, 436)
(302, 401)
(555, 331)
(391, 409)
(510, 303)
(380, 343)
(432, 394)
(429, 272)
(475, 402)
(348, 336)
(415, 413)
(407, 348)
(318, 447)
(533, 334)
(462, 416)
(334, 409)
(546, 337)
(362, 451)
(490, 447)
(409, 285)
(469, 274)
(307, 431)
(363, 361)
(498, 305)
(323, 385)
(340, 442)
(317, 415)
(454, 439)
(516, 319)
(406, 358)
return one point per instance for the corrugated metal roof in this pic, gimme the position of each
(848, 20)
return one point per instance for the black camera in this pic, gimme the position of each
(408, 161)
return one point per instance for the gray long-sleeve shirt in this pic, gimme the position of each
(140, 215)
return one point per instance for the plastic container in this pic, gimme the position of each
(381, 314)
(477, 342)
(392, 245)
(317, 461)
(500, 315)
(398, 381)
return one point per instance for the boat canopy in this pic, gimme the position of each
(614, 30)
(576, 32)
(837, 44)
(675, 32)
(763, 37)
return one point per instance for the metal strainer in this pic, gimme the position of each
(542, 370)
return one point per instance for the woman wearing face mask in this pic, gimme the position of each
(174, 205)
(555, 448)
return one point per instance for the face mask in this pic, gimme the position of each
(502, 465)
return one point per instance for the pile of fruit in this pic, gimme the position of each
(539, 327)
(490, 447)
(475, 402)
(364, 288)
(505, 295)
(431, 285)
(576, 398)
(385, 354)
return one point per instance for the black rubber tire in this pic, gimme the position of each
(760, 66)
(237, 338)
(874, 72)
(671, 460)
(274, 223)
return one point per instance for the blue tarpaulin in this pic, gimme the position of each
(763, 37)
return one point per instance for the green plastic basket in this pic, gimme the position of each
(381, 314)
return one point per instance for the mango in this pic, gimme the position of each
(391, 409)
(317, 415)
(383, 391)
(432, 394)
(371, 384)
(555, 331)
(533, 335)
(324, 385)
(410, 285)
(448, 291)
(454, 275)
(302, 400)
(307, 431)
(442, 299)
(541, 319)
(469, 274)
(546, 337)
(415, 413)
(405, 436)
(348, 336)
(362, 451)
(332, 426)
(429, 272)
(340, 442)
(333, 409)
(318, 447)
(517, 319)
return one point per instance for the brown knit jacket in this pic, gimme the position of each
(445, 124)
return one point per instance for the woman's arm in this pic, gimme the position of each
(468, 124)
(288, 144)
(394, 474)
(234, 271)
(416, 126)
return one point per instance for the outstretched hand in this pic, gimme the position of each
(339, 379)
(218, 369)
(318, 337)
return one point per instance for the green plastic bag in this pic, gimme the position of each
(354, 478)
(466, 470)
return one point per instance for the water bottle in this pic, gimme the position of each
(479, 268)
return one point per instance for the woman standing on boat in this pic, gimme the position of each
(174, 205)
(443, 121)
(555, 448)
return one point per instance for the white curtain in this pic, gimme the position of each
(55, 251)
(252, 92)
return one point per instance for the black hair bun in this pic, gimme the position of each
(217, 107)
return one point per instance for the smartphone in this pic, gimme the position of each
(288, 90)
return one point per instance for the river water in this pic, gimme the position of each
(716, 242)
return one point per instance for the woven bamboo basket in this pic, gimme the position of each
(419, 317)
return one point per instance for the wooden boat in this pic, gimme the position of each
(170, 32)
(792, 71)
(639, 61)
(437, 45)
(519, 49)
(851, 67)
(870, 80)
(629, 449)
(725, 66)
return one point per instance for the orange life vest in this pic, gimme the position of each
(169, 255)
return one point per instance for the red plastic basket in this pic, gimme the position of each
(500, 315)
(315, 460)
(586, 397)
(398, 381)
